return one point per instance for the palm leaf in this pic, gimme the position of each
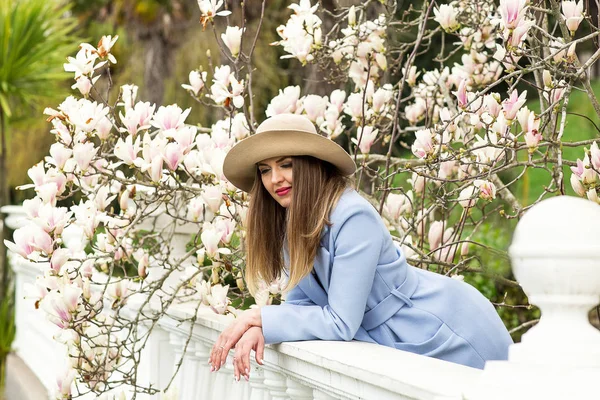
(35, 35)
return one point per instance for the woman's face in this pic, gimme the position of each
(276, 176)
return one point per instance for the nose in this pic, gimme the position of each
(276, 176)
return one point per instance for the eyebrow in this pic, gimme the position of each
(277, 161)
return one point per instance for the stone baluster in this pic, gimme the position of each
(298, 391)
(555, 255)
(205, 385)
(258, 390)
(191, 371)
(276, 385)
(177, 341)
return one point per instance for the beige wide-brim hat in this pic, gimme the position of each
(282, 135)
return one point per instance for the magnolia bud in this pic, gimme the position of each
(464, 249)
(215, 274)
(318, 36)
(240, 282)
(200, 256)
(352, 16)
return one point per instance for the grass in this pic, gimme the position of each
(577, 128)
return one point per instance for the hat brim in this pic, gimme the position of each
(239, 166)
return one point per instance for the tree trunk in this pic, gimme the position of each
(158, 64)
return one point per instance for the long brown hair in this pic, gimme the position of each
(317, 186)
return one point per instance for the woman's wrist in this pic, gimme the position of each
(253, 318)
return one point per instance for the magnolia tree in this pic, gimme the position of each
(138, 174)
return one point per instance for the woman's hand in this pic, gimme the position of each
(253, 339)
(230, 336)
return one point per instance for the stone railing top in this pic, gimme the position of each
(353, 366)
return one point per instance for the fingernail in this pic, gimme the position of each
(260, 361)
(247, 378)
(247, 372)
(212, 368)
(237, 378)
(223, 362)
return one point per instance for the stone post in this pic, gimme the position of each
(555, 254)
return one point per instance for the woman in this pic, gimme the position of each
(346, 278)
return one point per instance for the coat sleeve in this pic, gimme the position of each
(297, 297)
(358, 241)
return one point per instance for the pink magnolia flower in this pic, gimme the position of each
(213, 197)
(573, 14)
(23, 242)
(314, 106)
(487, 190)
(365, 137)
(519, 34)
(105, 46)
(423, 144)
(173, 155)
(398, 204)
(58, 259)
(411, 77)
(592, 195)
(354, 106)
(446, 17)
(84, 84)
(63, 384)
(461, 94)
(336, 98)
(195, 208)
(210, 8)
(128, 96)
(232, 38)
(83, 154)
(61, 307)
(218, 299)
(83, 63)
(210, 239)
(169, 117)
(52, 219)
(239, 126)
(418, 182)
(382, 97)
(595, 155)
(512, 11)
(532, 138)
(127, 150)
(512, 105)
(577, 186)
(584, 172)
(226, 226)
(118, 291)
(434, 236)
(466, 198)
(197, 81)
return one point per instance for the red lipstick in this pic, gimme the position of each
(283, 191)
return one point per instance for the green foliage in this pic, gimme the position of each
(7, 333)
(582, 124)
(35, 35)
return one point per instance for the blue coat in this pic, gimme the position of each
(362, 288)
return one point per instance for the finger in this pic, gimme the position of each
(238, 363)
(221, 356)
(246, 365)
(260, 352)
(236, 370)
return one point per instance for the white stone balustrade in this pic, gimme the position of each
(556, 257)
